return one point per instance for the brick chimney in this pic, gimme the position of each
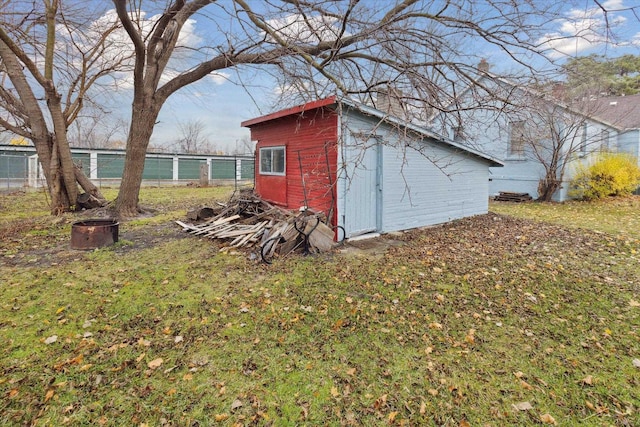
(390, 102)
(558, 91)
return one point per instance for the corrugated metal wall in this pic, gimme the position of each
(108, 165)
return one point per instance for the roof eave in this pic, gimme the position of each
(298, 109)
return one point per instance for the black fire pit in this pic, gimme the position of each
(94, 233)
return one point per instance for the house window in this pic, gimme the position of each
(272, 161)
(516, 139)
(583, 140)
(605, 144)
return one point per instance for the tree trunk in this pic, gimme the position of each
(547, 187)
(142, 122)
(88, 186)
(66, 168)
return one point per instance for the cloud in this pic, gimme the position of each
(584, 29)
(297, 28)
(219, 77)
(119, 48)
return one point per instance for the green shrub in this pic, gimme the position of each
(611, 174)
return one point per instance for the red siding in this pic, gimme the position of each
(310, 139)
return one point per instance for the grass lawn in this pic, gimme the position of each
(529, 315)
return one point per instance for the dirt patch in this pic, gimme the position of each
(53, 249)
(374, 245)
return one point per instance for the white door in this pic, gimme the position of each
(362, 189)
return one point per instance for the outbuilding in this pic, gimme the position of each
(368, 171)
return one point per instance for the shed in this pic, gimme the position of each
(367, 171)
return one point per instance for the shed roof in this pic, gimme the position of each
(370, 111)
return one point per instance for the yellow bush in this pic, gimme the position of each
(612, 174)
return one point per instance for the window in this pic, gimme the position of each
(272, 161)
(583, 140)
(606, 142)
(516, 138)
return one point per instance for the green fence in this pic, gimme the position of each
(14, 169)
(108, 165)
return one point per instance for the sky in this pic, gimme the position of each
(222, 102)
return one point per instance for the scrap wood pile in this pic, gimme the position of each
(247, 221)
(508, 196)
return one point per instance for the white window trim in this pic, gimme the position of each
(520, 152)
(271, 149)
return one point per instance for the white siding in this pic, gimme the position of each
(431, 187)
(422, 182)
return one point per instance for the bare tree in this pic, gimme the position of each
(554, 135)
(193, 137)
(45, 86)
(352, 47)
(95, 129)
(244, 145)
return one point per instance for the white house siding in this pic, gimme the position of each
(487, 130)
(413, 191)
(629, 142)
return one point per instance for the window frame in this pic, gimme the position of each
(271, 149)
(519, 151)
(605, 140)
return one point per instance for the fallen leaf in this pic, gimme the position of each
(51, 339)
(48, 395)
(548, 419)
(526, 385)
(13, 393)
(351, 371)
(335, 392)
(171, 392)
(139, 358)
(236, 404)
(220, 417)
(433, 392)
(588, 380)
(423, 407)
(518, 374)
(636, 363)
(470, 338)
(178, 339)
(155, 363)
(464, 423)
(634, 303)
(392, 416)
(522, 406)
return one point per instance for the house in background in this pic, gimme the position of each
(532, 132)
(366, 170)
(624, 113)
